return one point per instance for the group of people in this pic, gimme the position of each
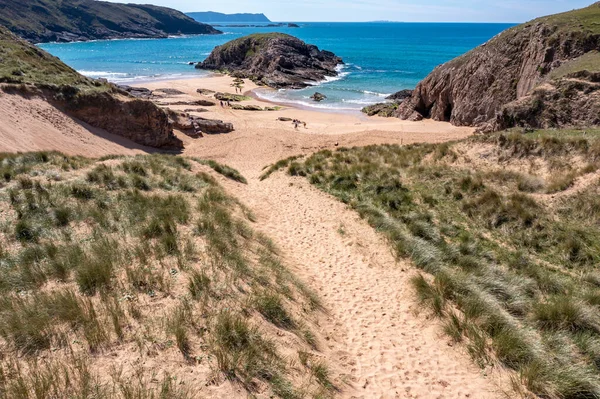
(226, 103)
(297, 123)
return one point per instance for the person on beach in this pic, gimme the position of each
(229, 103)
(304, 123)
(221, 103)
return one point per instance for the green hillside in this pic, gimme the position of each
(76, 20)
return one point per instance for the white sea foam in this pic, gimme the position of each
(373, 93)
(305, 102)
(102, 74)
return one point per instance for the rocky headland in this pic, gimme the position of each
(81, 20)
(544, 73)
(274, 59)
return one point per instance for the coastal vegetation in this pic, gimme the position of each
(505, 231)
(26, 64)
(28, 71)
(140, 277)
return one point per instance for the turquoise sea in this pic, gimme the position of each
(381, 58)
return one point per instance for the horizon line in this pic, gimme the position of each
(367, 22)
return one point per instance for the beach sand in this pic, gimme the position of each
(260, 139)
(377, 340)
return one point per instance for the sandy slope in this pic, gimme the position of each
(378, 345)
(34, 125)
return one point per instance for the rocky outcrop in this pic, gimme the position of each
(571, 101)
(274, 59)
(231, 97)
(489, 85)
(138, 120)
(386, 110)
(81, 20)
(400, 95)
(318, 97)
(195, 126)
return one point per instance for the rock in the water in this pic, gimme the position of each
(400, 95)
(318, 97)
(273, 59)
(517, 78)
(293, 25)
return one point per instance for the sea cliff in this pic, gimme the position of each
(540, 74)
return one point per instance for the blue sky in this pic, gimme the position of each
(371, 10)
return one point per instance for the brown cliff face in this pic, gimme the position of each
(138, 120)
(474, 89)
(273, 59)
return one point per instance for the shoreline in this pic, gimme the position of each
(263, 137)
(249, 93)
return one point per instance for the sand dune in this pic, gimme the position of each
(32, 124)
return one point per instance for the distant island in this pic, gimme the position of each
(212, 17)
(82, 20)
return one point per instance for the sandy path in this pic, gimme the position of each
(377, 342)
(376, 338)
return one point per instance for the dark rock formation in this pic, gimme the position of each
(318, 97)
(195, 126)
(247, 107)
(170, 92)
(137, 92)
(274, 59)
(400, 95)
(80, 20)
(491, 86)
(201, 103)
(205, 92)
(293, 25)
